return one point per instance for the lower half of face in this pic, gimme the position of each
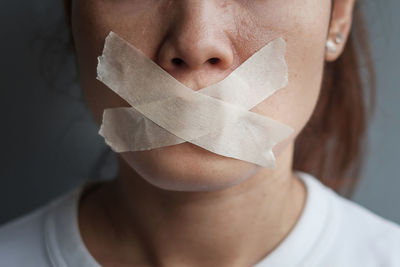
(195, 31)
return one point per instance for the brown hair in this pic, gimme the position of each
(331, 145)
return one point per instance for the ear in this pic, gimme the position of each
(339, 28)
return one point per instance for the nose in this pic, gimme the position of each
(196, 41)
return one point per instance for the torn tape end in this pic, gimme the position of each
(113, 148)
(270, 159)
(290, 130)
(111, 33)
(101, 131)
(99, 61)
(283, 42)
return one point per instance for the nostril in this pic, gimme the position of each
(213, 60)
(177, 61)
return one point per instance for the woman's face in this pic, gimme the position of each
(196, 31)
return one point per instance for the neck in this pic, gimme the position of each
(237, 226)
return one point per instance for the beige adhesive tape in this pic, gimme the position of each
(165, 112)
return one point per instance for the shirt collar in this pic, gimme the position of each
(65, 246)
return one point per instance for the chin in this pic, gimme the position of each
(187, 167)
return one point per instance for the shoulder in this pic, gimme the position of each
(363, 230)
(353, 235)
(362, 237)
(22, 240)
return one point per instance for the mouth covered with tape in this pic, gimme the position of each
(165, 112)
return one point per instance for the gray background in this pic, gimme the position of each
(50, 143)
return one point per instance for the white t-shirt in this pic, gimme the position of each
(331, 232)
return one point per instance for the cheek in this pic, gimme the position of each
(294, 104)
(91, 23)
(305, 34)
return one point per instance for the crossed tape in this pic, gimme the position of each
(165, 112)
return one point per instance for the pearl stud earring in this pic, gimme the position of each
(331, 46)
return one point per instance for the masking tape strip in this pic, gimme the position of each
(165, 112)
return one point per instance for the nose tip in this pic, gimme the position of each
(180, 54)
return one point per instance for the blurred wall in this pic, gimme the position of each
(49, 140)
(50, 143)
(380, 189)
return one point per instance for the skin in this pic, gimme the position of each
(183, 205)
